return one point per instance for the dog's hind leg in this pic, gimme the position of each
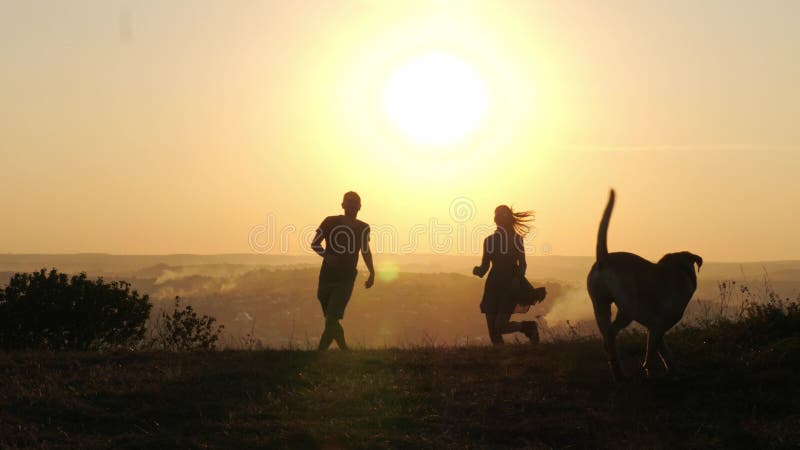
(620, 321)
(602, 314)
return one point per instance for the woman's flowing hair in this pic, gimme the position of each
(518, 220)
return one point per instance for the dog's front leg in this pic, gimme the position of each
(666, 356)
(654, 340)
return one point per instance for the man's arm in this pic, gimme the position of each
(316, 244)
(367, 254)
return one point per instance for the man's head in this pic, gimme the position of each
(351, 203)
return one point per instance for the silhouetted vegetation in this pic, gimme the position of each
(758, 325)
(182, 329)
(50, 310)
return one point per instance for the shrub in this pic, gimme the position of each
(761, 320)
(776, 319)
(182, 329)
(57, 312)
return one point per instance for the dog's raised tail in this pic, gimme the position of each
(602, 233)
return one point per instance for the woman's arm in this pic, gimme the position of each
(521, 255)
(484, 267)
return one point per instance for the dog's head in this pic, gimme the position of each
(684, 261)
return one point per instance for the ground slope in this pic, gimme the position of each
(553, 395)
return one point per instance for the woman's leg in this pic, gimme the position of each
(494, 335)
(500, 324)
(504, 325)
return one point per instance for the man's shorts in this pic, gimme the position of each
(334, 295)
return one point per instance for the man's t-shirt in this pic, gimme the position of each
(345, 238)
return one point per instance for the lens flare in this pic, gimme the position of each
(387, 271)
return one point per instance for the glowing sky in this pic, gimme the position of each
(166, 127)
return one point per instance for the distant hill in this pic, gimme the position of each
(571, 268)
(101, 263)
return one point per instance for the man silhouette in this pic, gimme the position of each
(344, 236)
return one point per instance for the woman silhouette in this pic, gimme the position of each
(504, 250)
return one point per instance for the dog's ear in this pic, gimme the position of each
(697, 260)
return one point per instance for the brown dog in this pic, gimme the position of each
(654, 295)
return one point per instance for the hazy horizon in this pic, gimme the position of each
(316, 258)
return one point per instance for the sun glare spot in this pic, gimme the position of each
(436, 99)
(388, 271)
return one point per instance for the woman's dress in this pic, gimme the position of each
(506, 263)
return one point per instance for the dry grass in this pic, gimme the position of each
(552, 395)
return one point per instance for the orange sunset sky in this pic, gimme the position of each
(178, 127)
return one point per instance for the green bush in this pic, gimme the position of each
(53, 311)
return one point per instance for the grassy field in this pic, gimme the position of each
(551, 395)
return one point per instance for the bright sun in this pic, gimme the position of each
(436, 99)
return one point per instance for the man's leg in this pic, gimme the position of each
(333, 332)
(338, 297)
(323, 295)
(327, 336)
(342, 298)
(338, 336)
